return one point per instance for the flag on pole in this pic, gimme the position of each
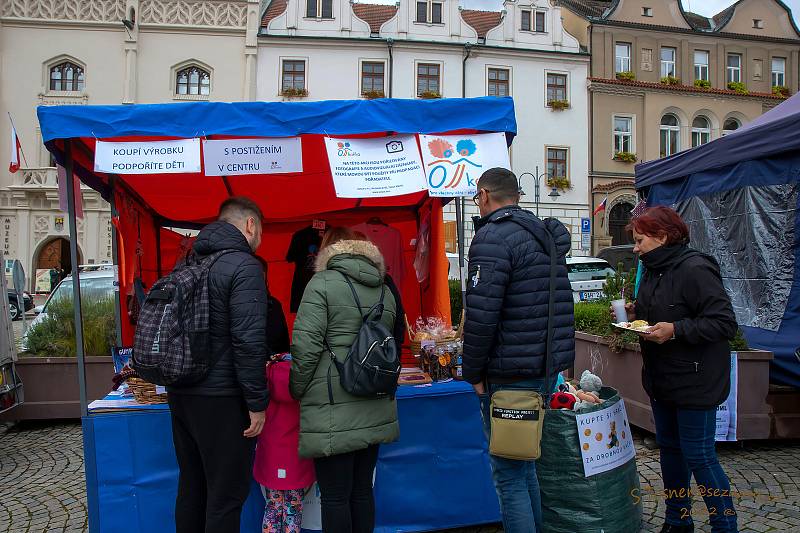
(639, 209)
(601, 206)
(13, 166)
(61, 173)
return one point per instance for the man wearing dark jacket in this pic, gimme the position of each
(215, 421)
(506, 327)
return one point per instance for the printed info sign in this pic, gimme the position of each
(726, 412)
(453, 163)
(232, 157)
(385, 166)
(605, 439)
(157, 157)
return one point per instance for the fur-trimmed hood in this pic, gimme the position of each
(361, 260)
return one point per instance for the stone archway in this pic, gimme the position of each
(52, 253)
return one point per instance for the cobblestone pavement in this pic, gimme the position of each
(42, 485)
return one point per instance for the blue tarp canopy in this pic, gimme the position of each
(740, 196)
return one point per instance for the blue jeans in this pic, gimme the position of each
(686, 439)
(515, 481)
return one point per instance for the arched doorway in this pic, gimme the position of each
(618, 218)
(52, 255)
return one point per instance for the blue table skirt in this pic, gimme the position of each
(436, 476)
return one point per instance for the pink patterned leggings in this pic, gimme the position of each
(283, 512)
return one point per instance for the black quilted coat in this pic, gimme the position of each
(238, 299)
(507, 299)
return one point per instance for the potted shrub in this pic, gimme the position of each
(48, 368)
(625, 157)
(372, 95)
(561, 183)
(738, 87)
(558, 105)
(429, 95)
(670, 80)
(626, 76)
(782, 91)
(291, 92)
(702, 84)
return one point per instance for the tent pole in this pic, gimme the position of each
(115, 259)
(460, 242)
(76, 282)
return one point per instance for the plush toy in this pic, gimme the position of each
(587, 397)
(562, 400)
(590, 382)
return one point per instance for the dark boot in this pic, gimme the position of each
(669, 528)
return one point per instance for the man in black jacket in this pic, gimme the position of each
(506, 327)
(215, 421)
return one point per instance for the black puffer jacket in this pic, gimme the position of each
(238, 299)
(683, 287)
(507, 302)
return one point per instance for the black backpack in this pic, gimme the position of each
(172, 343)
(372, 365)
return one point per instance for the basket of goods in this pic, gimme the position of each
(143, 391)
(438, 347)
(432, 330)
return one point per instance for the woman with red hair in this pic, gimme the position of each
(687, 367)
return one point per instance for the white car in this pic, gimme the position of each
(587, 275)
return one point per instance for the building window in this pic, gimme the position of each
(429, 12)
(428, 78)
(670, 135)
(734, 68)
(778, 72)
(701, 65)
(668, 62)
(556, 87)
(319, 9)
(701, 131)
(526, 20)
(498, 82)
(372, 76)
(758, 24)
(647, 11)
(192, 80)
(293, 75)
(540, 25)
(623, 57)
(557, 166)
(66, 77)
(623, 134)
(730, 126)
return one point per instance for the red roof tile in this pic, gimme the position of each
(276, 7)
(481, 21)
(682, 88)
(374, 14)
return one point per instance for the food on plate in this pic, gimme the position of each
(639, 324)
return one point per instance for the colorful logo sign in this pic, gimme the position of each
(450, 167)
(344, 150)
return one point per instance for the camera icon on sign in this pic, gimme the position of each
(394, 147)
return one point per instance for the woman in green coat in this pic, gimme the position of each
(341, 436)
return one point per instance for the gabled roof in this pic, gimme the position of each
(698, 22)
(587, 8)
(275, 8)
(482, 21)
(374, 14)
(724, 16)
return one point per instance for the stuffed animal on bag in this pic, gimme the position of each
(563, 400)
(590, 382)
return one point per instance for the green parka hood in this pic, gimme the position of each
(359, 260)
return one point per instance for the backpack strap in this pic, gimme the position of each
(379, 306)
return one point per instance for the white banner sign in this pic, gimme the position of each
(605, 439)
(157, 157)
(453, 163)
(233, 157)
(385, 166)
(726, 412)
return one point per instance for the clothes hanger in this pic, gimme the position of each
(376, 221)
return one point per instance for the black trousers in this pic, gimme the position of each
(215, 461)
(345, 485)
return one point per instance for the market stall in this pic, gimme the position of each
(167, 168)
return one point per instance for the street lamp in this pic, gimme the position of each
(537, 178)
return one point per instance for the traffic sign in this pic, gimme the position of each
(18, 276)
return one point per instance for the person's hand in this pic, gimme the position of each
(256, 424)
(479, 388)
(660, 333)
(630, 310)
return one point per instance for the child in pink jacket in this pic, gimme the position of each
(278, 468)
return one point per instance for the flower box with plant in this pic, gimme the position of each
(561, 183)
(429, 95)
(626, 76)
(670, 80)
(372, 95)
(625, 157)
(558, 105)
(782, 91)
(702, 84)
(293, 93)
(738, 87)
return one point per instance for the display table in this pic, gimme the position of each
(436, 476)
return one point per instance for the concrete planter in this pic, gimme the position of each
(51, 386)
(764, 412)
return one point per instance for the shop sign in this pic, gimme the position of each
(453, 163)
(605, 439)
(232, 157)
(157, 157)
(385, 166)
(726, 412)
